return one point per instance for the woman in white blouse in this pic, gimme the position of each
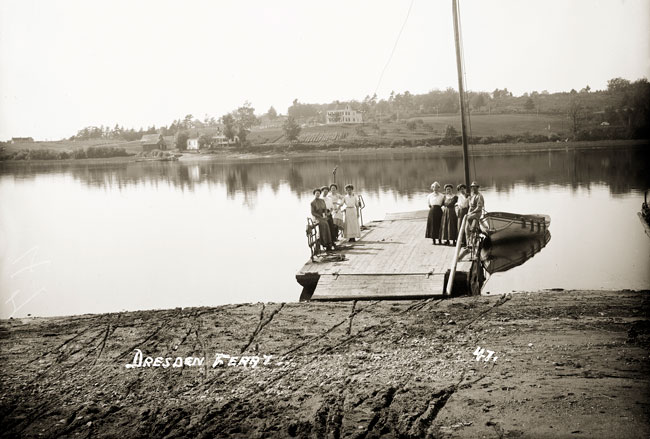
(462, 206)
(351, 230)
(434, 200)
(337, 213)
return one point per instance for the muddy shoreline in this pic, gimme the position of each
(568, 364)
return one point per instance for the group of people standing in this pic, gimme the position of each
(335, 213)
(447, 210)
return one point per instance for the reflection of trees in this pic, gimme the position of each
(294, 177)
(622, 170)
(405, 173)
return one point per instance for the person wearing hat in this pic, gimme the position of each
(449, 222)
(351, 229)
(337, 213)
(319, 213)
(476, 206)
(434, 200)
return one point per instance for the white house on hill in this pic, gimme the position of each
(346, 115)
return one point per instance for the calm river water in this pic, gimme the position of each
(91, 238)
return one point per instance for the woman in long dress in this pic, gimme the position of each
(434, 201)
(337, 213)
(449, 226)
(319, 212)
(351, 229)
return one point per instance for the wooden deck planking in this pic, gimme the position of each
(393, 259)
(418, 214)
(331, 287)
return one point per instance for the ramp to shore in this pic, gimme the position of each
(392, 260)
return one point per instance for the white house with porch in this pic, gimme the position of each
(347, 115)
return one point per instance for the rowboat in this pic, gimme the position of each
(504, 226)
(505, 255)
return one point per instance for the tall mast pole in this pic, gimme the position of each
(461, 92)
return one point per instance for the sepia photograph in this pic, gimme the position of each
(345, 219)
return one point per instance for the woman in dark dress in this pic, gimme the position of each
(434, 201)
(449, 226)
(319, 214)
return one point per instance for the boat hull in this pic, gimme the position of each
(504, 226)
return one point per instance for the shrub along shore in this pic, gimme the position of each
(102, 153)
(92, 152)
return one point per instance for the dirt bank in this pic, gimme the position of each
(567, 364)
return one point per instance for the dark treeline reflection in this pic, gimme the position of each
(406, 173)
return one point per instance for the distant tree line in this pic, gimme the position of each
(625, 113)
(624, 104)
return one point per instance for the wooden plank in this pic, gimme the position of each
(418, 214)
(392, 260)
(378, 286)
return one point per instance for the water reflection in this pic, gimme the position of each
(167, 234)
(406, 173)
(503, 256)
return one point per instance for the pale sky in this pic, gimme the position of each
(69, 64)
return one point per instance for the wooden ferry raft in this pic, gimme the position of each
(392, 260)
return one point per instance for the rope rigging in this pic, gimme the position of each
(392, 52)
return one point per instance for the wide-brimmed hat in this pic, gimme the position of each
(475, 184)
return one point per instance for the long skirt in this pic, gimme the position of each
(334, 231)
(461, 215)
(351, 227)
(433, 223)
(449, 230)
(324, 233)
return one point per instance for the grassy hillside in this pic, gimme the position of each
(421, 129)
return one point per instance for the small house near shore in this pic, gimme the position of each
(193, 144)
(221, 140)
(153, 141)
